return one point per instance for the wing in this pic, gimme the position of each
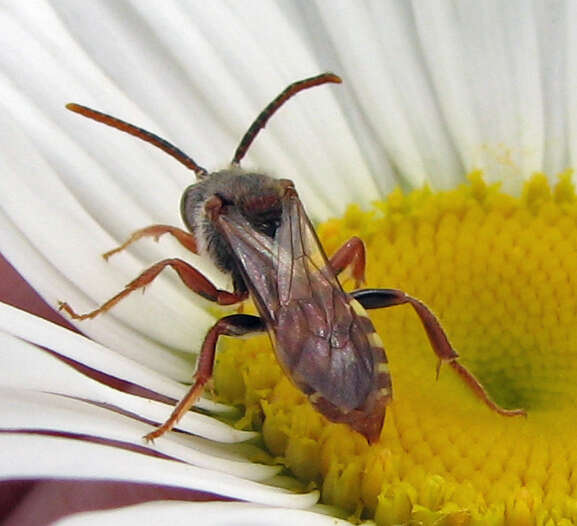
(320, 341)
(320, 337)
(303, 270)
(256, 257)
(290, 267)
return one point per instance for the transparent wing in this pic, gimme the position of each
(290, 267)
(303, 270)
(320, 341)
(256, 257)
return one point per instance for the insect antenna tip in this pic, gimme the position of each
(332, 77)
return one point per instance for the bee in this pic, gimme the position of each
(254, 228)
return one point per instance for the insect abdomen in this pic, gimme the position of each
(382, 381)
(338, 360)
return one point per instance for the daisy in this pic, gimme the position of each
(434, 151)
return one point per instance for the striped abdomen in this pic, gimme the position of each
(331, 351)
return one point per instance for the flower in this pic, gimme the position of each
(432, 91)
(444, 455)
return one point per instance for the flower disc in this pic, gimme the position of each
(500, 273)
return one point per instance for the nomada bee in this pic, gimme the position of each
(254, 228)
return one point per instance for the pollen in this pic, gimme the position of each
(500, 272)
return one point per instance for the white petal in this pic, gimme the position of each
(76, 347)
(43, 228)
(527, 94)
(31, 262)
(554, 26)
(24, 456)
(234, 82)
(382, 96)
(444, 53)
(206, 513)
(29, 367)
(424, 99)
(502, 87)
(571, 49)
(501, 68)
(55, 211)
(29, 411)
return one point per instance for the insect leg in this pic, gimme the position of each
(234, 325)
(191, 277)
(186, 239)
(351, 254)
(380, 298)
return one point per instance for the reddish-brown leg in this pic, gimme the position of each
(186, 239)
(191, 277)
(351, 254)
(234, 325)
(380, 298)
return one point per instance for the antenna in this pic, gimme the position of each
(147, 136)
(269, 111)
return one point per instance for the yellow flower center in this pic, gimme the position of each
(501, 274)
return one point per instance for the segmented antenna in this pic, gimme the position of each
(147, 136)
(269, 111)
